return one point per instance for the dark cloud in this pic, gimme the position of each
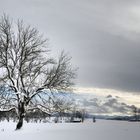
(105, 105)
(101, 35)
(109, 96)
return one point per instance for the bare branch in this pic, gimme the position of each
(28, 71)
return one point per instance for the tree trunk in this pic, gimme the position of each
(20, 123)
(21, 112)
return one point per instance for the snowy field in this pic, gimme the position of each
(101, 130)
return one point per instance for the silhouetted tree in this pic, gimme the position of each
(135, 112)
(29, 77)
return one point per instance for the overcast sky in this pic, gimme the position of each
(102, 36)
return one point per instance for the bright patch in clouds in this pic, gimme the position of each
(127, 97)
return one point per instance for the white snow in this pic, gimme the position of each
(101, 130)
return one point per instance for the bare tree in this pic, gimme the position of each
(29, 77)
(63, 106)
(135, 112)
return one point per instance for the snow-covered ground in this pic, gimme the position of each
(101, 130)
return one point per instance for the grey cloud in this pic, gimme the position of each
(109, 96)
(106, 105)
(101, 35)
(113, 105)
